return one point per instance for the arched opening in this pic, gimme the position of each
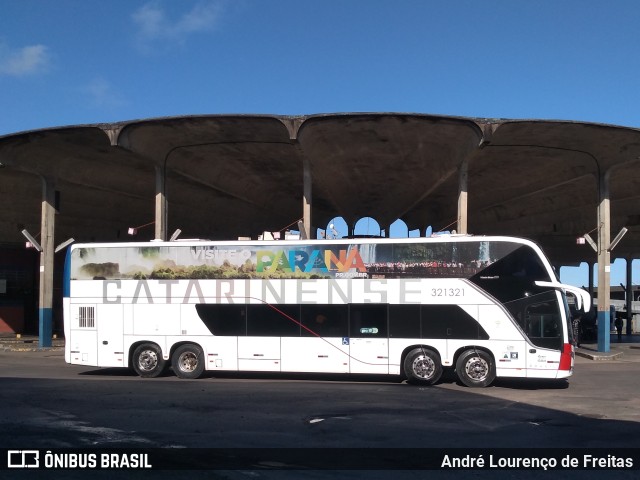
(367, 227)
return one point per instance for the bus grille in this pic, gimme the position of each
(86, 317)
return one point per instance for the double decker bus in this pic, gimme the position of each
(486, 307)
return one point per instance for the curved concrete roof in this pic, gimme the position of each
(238, 175)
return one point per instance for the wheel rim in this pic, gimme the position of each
(477, 368)
(188, 362)
(148, 360)
(423, 366)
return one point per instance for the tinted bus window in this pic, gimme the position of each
(325, 320)
(367, 320)
(273, 321)
(451, 322)
(224, 320)
(404, 321)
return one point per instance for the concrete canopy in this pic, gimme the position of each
(226, 176)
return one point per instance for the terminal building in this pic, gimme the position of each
(572, 187)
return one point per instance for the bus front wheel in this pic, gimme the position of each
(147, 360)
(476, 368)
(188, 361)
(422, 366)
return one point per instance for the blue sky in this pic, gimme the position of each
(69, 62)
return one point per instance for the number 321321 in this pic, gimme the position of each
(447, 292)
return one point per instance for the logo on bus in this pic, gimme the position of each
(289, 261)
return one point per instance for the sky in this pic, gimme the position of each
(72, 62)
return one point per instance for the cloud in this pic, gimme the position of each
(155, 25)
(24, 61)
(150, 18)
(103, 95)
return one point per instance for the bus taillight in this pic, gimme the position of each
(566, 358)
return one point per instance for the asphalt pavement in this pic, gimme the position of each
(72, 406)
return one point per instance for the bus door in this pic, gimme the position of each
(544, 328)
(109, 323)
(368, 340)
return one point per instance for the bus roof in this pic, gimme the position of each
(444, 238)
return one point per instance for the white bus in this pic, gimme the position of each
(485, 306)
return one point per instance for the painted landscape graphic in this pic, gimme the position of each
(383, 260)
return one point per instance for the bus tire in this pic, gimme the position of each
(422, 366)
(188, 361)
(147, 360)
(476, 368)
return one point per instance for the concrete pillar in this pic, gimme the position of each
(462, 196)
(629, 295)
(47, 232)
(161, 204)
(307, 181)
(604, 266)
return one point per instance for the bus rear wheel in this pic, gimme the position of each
(147, 360)
(422, 366)
(188, 361)
(476, 368)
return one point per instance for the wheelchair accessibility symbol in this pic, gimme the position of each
(345, 340)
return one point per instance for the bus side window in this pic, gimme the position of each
(450, 321)
(368, 320)
(273, 321)
(224, 320)
(404, 321)
(325, 320)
